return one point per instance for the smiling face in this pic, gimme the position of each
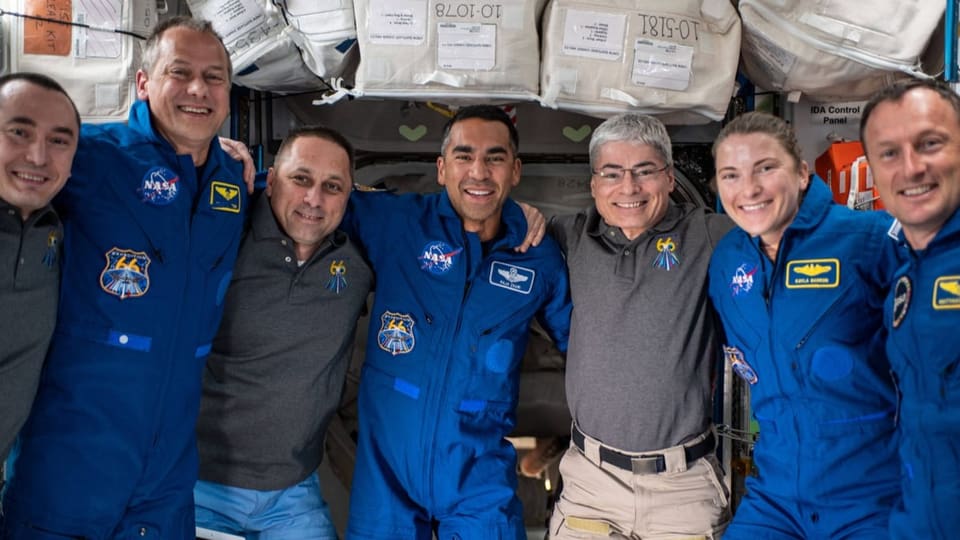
(759, 183)
(913, 147)
(188, 89)
(308, 189)
(37, 144)
(478, 170)
(632, 204)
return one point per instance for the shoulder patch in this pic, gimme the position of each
(813, 274)
(125, 274)
(515, 278)
(224, 197)
(739, 365)
(946, 293)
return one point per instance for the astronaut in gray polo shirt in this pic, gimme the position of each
(39, 130)
(643, 346)
(275, 374)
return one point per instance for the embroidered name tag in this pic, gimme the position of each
(813, 274)
(946, 292)
(516, 278)
(224, 197)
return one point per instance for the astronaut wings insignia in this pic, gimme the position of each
(515, 278)
(946, 293)
(224, 197)
(813, 274)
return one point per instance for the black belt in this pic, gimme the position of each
(645, 463)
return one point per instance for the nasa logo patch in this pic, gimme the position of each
(159, 186)
(742, 280)
(438, 257)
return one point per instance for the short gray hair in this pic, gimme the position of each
(634, 128)
(203, 26)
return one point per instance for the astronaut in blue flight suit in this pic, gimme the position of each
(799, 287)
(449, 325)
(152, 216)
(911, 134)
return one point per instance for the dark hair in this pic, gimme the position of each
(490, 113)
(319, 132)
(149, 56)
(897, 90)
(42, 81)
(766, 124)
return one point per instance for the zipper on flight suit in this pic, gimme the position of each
(437, 402)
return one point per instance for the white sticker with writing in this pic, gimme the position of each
(592, 34)
(836, 113)
(662, 64)
(97, 43)
(775, 61)
(242, 23)
(398, 22)
(466, 46)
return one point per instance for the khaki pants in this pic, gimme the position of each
(600, 500)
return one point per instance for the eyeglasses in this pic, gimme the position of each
(639, 174)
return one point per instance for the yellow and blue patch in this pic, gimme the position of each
(813, 274)
(666, 253)
(125, 274)
(338, 276)
(946, 293)
(396, 333)
(224, 197)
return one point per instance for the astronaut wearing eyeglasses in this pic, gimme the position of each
(642, 349)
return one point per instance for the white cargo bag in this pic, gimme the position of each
(96, 67)
(834, 50)
(264, 54)
(674, 58)
(450, 51)
(325, 32)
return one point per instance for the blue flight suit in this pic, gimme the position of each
(439, 385)
(806, 332)
(922, 316)
(109, 450)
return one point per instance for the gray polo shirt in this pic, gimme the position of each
(29, 289)
(643, 338)
(276, 372)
